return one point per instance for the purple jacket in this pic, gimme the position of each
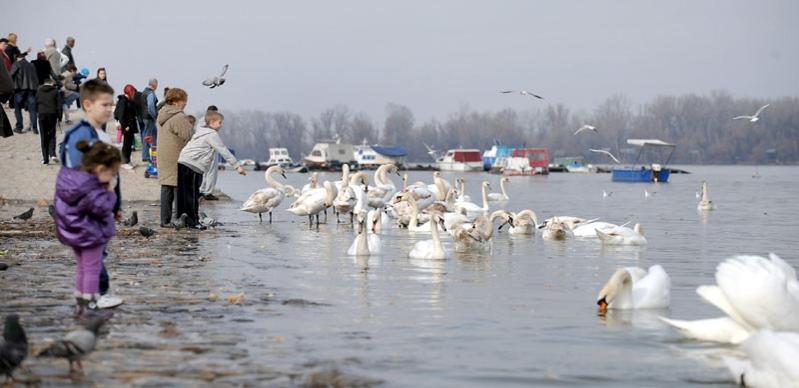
(84, 214)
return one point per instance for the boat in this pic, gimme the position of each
(329, 154)
(369, 157)
(527, 161)
(573, 164)
(495, 158)
(279, 157)
(654, 172)
(461, 159)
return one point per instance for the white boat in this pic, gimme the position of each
(461, 160)
(279, 157)
(328, 154)
(373, 156)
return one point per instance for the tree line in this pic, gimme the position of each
(700, 125)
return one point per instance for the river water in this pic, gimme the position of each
(524, 314)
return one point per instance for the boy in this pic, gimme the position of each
(194, 160)
(97, 101)
(209, 178)
(49, 105)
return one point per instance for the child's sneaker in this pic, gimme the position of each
(109, 301)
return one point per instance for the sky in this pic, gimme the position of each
(432, 56)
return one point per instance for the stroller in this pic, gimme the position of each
(152, 166)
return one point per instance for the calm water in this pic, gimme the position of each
(524, 314)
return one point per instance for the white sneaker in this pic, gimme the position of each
(109, 301)
(126, 166)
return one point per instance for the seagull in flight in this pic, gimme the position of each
(606, 153)
(753, 118)
(431, 151)
(586, 127)
(216, 80)
(523, 93)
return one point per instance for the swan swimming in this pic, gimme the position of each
(556, 230)
(503, 195)
(471, 207)
(771, 360)
(705, 204)
(266, 200)
(430, 249)
(634, 288)
(622, 235)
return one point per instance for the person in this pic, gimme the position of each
(70, 90)
(48, 106)
(25, 84)
(126, 113)
(209, 177)
(6, 92)
(102, 74)
(7, 62)
(43, 69)
(67, 50)
(148, 103)
(53, 55)
(195, 159)
(174, 132)
(84, 218)
(192, 121)
(12, 51)
(162, 103)
(97, 100)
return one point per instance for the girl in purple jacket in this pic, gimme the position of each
(84, 217)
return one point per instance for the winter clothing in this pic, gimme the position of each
(43, 70)
(199, 153)
(69, 154)
(87, 272)
(25, 99)
(188, 193)
(209, 178)
(54, 57)
(48, 100)
(69, 81)
(7, 62)
(148, 103)
(68, 52)
(174, 132)
(47, 124)
(167, 198)
(12, 51)
(83, 214)
(127, 114)
(6, 91)
(24, 75)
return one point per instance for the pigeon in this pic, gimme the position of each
(208, 221)
(606, 153)
(523, 93)
(25, 216)
(216, 80)
(146, 232)
(76, 344)
(182, 222)
(586, 127)
(13, 346)
(752, 118)
(51, 211)
(132, 220)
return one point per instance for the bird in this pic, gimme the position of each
(25, 216)
(622, 235)
(430, 249)
(146, 232)
(267, 199)
(132, 220)
(13, 346)
(51, 210)
(206, 220)
(589, 230)
(586, 127)
(755, 293)
(649, 194)
(523, 93)
(606, 194)
(771, 360)
(216, 81)
(76, 344)
(705, 204)
(634, 288)
(503, 196)
(606, 153)
(556, 230)
(753, 118)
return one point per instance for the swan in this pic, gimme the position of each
(313, 182)
(471, 207)
(413, 224)
(445, 206)
(365, 244)
(430, 249)
(771, 360)
(523, 222)
(346, 197)
(473, 236)
(290, 191)
(440, 186)
(571, 222)
(622, 235)
(503, 196)
(556, 230)
(377, 221)
(266, 200)
(634, 288)
(462, 196)
(385, 189)
(755, 293)
(589, 230)
(313, 202)
(705, 204)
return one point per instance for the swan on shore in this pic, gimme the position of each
(313, 202)
(266, 200)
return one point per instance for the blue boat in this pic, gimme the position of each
(497, 152)
(654, 172)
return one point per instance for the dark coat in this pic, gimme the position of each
(83, 214)
(49, 101)
(43, 70)
(127, 113)
(24, 75)
(68, 52)
(6, 91)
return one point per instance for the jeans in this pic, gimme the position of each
(167, 198)
(188, 194)
(28, 97)
(47, 123)
(69, 98)
(149, 130)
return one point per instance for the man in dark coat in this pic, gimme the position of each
(25, 84)
(6, 92)
(48, 105)
(67, 50)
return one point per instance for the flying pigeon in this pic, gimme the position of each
(76, 344)
(754, 117)
(523, 93)
(216, 80)
(132, 220)
(146, 232)
(606, 153)
(25, 216)
(13, 346)
(586, 127)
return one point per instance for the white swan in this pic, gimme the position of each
(772, 360)
(705, 204)
(523, 222)
(475, 236)
(622, 235)
(571, 222)
(634, 288)
(461, 195)
(377, 221)
(503, 196)
(556, 230)
(346, 198)
(414, 225)
(365, 244)
(313, 202)
(589, 230)
(430, 249)
(290, 191)
(266, 200)
(471, 207)
(440, 186)
(313, 182)
(755, 293)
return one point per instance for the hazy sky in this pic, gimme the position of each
(432, 56)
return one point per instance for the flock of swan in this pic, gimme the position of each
(759, 296)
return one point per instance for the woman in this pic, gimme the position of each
(43, 68)
(174, 131)
(102, 75)
(126, 112)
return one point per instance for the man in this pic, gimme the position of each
(7, 62)
(67, 50)
(53, 55)
(148, 115)
(25, 84)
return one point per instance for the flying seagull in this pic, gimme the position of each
(754, 117)
(523, 93)
(216, 80)
(606, 153)
(25, 216)
(586, 127)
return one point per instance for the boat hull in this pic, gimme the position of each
(462, 167)
(640, 175)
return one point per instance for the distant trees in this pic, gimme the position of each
(700, 125)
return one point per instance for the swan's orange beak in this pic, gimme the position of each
(603, 306)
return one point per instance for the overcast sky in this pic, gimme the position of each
(432, 56)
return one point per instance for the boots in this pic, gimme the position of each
(87, 308)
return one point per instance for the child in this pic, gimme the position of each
(194, 160)
(49, 105)
(84, 217)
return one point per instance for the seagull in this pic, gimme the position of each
(76, 344)
(606, 194)
(754, 117)
(25, 216)
(523, 93)
(216, 80)
(431, 151)
(647, 194)
(586, 127)
(606, 153)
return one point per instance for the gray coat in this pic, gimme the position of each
(199, 152)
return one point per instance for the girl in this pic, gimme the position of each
(84, 217)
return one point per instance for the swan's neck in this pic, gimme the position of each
(362, 244)
(463, 187)
(414, 211)
(405, 182)
(705, 194)
(440, 195)
(502, 187)
(485, 198)
(271, 180)
(345, 174)
(438, 250)
(329, 197)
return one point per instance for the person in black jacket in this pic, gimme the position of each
(127, 114)
(25, 84)
(6, 92)
(48, 105)
(43, 68)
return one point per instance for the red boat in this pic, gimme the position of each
(528, 161)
